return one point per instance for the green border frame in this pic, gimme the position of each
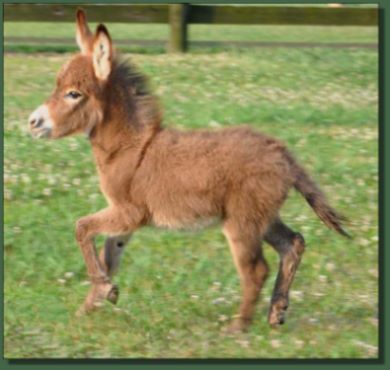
(383, 362)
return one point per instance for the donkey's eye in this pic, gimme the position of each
(73, 95)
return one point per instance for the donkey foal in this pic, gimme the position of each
(153, 175)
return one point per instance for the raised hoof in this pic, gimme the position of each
(113, 294)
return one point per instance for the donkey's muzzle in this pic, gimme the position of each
(36, 123)
(39, 122)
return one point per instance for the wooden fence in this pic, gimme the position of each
(179, 16)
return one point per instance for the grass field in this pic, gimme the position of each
(235, 33)
(178, 289)
(123, 31)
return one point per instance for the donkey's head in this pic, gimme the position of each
(78, 101)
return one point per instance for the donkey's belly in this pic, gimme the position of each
(181, 201)
(187, 223)
(185, 212)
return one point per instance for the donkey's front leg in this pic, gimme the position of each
(111, 253)
(107, 221)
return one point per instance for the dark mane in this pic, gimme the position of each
(127, 74)
(143, 106)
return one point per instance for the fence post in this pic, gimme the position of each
(178, 14)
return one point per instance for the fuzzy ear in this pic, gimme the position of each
(84, 37)
(102, 53)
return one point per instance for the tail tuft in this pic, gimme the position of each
(327, 214)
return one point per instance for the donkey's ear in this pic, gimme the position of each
(84, 36)
(102, 53)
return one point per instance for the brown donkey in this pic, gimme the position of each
(153, 175)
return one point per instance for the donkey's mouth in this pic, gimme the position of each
(41, 133)
(40, 122)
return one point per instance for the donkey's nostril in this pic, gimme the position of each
(36, 122)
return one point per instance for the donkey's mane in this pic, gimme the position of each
(127, 74)
(142, 104)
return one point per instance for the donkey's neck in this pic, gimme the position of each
(119, 151)
(111, 140)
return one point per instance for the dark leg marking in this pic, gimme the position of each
(290, 246)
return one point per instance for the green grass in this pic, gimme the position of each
(123, 31)
(178, 289)
(317, 34)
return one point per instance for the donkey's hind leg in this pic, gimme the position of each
(111, 253)
(252, 268)
(290, 246)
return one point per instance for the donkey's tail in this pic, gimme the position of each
(315, 197)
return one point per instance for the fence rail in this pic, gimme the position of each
(180, 15)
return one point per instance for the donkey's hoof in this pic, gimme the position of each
(277, 311)
(237, 326)
(276, 322)
(80, 312)
(276, 317)
(113, 294)
(83, 310)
